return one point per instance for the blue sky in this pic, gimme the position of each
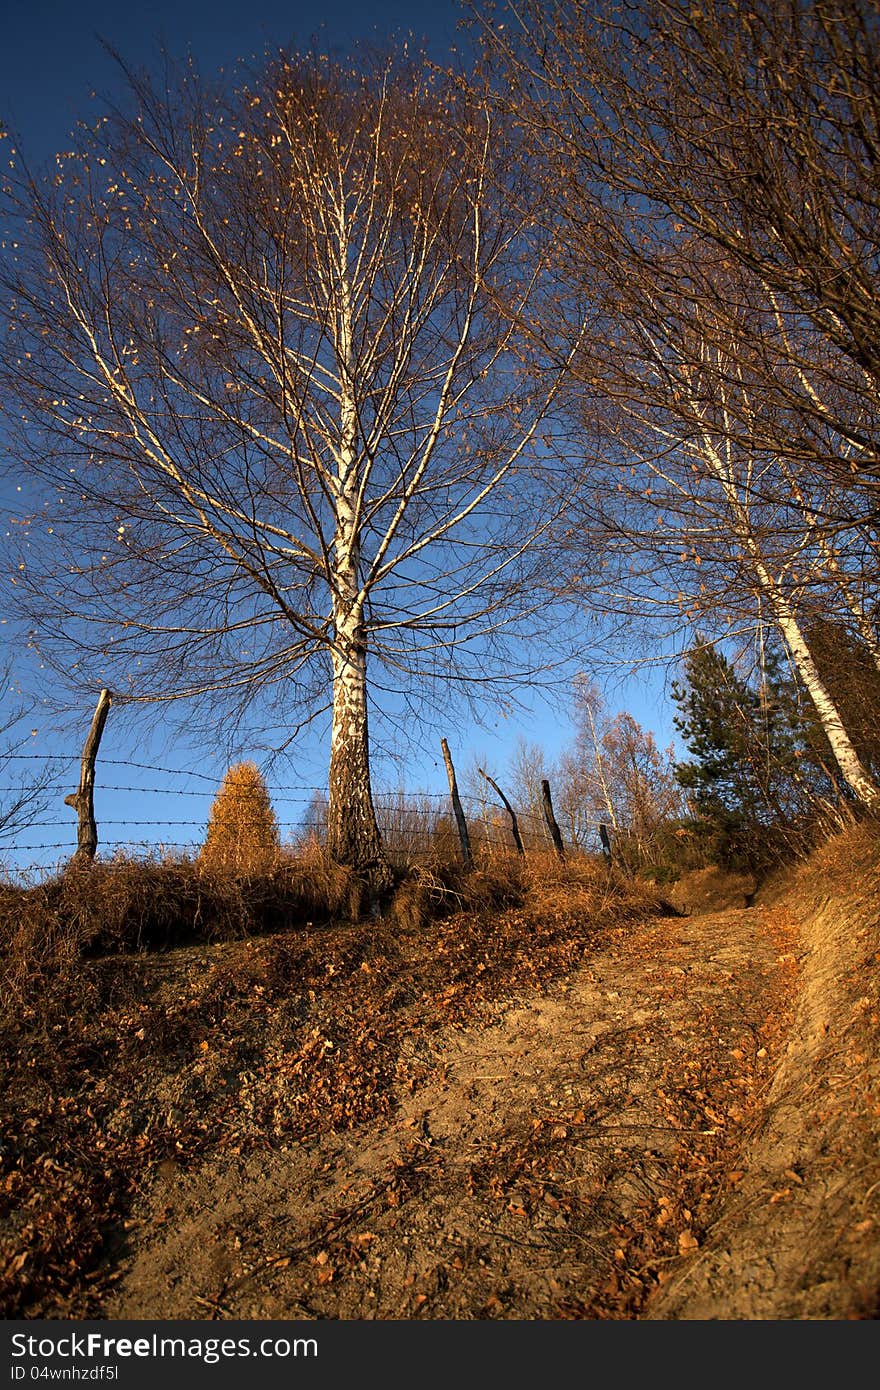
(54, 70)
(52, 56)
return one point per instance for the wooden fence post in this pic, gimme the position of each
(83, 799)
(517, 840)
(457, 807)
(606, 843)
(555, 834)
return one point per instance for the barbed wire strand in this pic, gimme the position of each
(493, 832)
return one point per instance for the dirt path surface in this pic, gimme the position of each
(563, 1154)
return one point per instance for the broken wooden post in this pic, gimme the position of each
(457, 807)
(606, 843)
(517, 840)
(83, 800)
(555, 834)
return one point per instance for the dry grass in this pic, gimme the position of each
(136, 905)
(127, 905)
(845, 860)
(539, 884)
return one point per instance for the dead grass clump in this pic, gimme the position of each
(423, 896)
(126, 905)
(146, 905)
(121, 905)
(495, 884)
(540, 884)
(583, 886)
(39, 947)
(440, 885)
(322, 890)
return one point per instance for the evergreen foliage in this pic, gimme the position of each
(242, 836)
(759, 766)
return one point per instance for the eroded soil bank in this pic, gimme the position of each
(799, 1235)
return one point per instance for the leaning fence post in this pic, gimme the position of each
(555, 833)
(457, 807)
(83, 799)
(517, 840)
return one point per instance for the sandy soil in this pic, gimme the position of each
(627, 1143)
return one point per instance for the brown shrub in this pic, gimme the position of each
(242, 836)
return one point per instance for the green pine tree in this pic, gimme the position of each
(757, 768)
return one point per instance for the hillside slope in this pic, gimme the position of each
(555, 1155)
(527, 1113)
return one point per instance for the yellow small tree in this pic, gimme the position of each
(242, 835)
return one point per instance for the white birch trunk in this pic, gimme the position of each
(860, 782)
(842, 747)
(352, 832)
(600, 770)
(865, 789)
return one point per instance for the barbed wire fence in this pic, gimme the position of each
(412, 823)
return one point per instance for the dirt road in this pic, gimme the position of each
(562, 1156)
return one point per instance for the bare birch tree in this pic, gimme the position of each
(735, 523)
(268, 356)
(614, 774)
(715, 169)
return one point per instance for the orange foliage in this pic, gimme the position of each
(242, 835)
